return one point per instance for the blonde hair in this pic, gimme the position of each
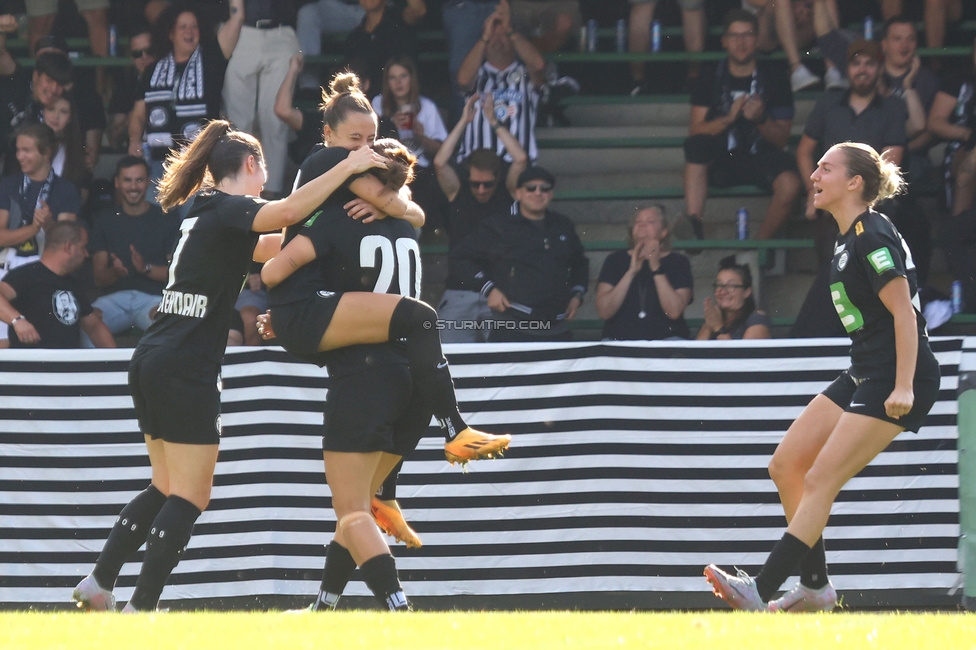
(882, 178)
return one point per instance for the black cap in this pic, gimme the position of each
(536, 174)
(51, 41)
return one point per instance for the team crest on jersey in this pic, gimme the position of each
(842, 261)
(858, 228)
(65, 307)
(326, 294)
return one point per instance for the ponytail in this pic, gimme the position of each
(217, 153)
(882, 178)
(344, 96)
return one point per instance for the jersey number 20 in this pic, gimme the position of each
(391, 261)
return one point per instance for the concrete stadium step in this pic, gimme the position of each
(660, 110)
(618, 212)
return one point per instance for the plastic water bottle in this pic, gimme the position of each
(868, 28)
(591, 36)
(582, 39)
(742, 223)
(656, 36)
(113, 41)
(956, 297)
(621, 34)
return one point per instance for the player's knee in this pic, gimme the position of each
(353, 520)
(411, 315)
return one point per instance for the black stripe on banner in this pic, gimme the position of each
(278, 381)
(35, 438)
(52, 366)
(635, 497)
(65, 390)
(68, 415)
(679, 547)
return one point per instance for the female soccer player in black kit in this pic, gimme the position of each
(892, 383)
(173, 375)
(374, 412)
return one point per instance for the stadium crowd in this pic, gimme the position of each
(512, 258)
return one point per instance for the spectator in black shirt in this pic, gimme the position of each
(953, 118)
(384, 33)
(25, 93)
(529, 264)
(643, 291)
(87, 103)
(474, 192)
(741, 115)
(125, 88)
(131, 240)
(43, 305)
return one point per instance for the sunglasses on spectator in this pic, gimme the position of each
(485, 184)
(138, 54)
(727, 287)
(531, 189)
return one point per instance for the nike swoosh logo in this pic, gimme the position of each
(441, 366)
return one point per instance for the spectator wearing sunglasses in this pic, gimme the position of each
(125, 87)
(732, 313)
(528, 264)
(474, 191)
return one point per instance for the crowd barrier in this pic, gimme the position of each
(632, 467)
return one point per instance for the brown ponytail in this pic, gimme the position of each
(344, 96)
(217, 152)
(401, 163)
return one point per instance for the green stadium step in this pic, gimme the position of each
(694, 324)
(558, 57)
(678, 244)
(650, 142)
(648, 193)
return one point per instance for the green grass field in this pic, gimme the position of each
(486, 631)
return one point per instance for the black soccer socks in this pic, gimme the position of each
(813, 569)
(339, 567)
(782, 562)
(128, 534)
(380, 575)
(416, 323)
(167, 540)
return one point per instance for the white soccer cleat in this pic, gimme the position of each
(804, 599)
(739, 591)
(129, 609)
(89, 595)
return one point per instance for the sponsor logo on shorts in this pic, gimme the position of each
(218, 426)
(325, 294)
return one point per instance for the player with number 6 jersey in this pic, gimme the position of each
(890, 386)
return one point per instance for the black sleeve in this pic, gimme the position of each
(320, 230)
(19, 279)
(579, 265)
(897, 114)
(779, 94)
(214, 69)
(814, 127)
(473, 257)
(237, 212)
(677, 269)
(701, 94)
(322, 161)
(614, 267)
(881, 258)
(91, 111)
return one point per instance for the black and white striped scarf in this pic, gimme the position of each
(175, 106)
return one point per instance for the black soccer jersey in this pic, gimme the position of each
(54, 305)
(868, 256)
(210, 263)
